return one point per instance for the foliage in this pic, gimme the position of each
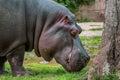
(74, 4)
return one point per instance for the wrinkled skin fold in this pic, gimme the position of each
(43, 25)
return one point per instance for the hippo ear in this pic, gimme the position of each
(66, 20)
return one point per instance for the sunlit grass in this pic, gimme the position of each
(45, 72)
(106, 77)
(91, 41)
(92, 44)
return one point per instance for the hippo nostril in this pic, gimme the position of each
(85, 59)
(88, 58)
(68, 61)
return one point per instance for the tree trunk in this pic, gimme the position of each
(108, 58)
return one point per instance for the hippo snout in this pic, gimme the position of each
(76, 61)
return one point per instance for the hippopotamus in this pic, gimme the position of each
(43, 25)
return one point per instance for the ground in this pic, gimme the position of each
(89, 28)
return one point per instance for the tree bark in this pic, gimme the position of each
(108, 58)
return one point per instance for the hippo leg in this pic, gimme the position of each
(2, 66)
(16, 62)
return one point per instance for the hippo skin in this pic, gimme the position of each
(43, 25)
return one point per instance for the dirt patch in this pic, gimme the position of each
(90, 25)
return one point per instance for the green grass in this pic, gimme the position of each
(85, 19)
(92, 43)
(106, 77)
(45, 72)
(96, 29)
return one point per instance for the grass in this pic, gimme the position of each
(85, 19)
(106, 77)
(96, 29)
(91, 43)
(45, 72)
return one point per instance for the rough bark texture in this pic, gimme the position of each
(108, 58)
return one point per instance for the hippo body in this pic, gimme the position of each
(40, 25)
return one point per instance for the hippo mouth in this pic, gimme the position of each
(72, 66)
(75, 66)
(72, 59)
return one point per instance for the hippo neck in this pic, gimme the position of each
(33, 24)
(30, 17)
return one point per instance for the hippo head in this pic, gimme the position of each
(61, 41)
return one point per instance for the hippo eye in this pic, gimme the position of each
(67, 20)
